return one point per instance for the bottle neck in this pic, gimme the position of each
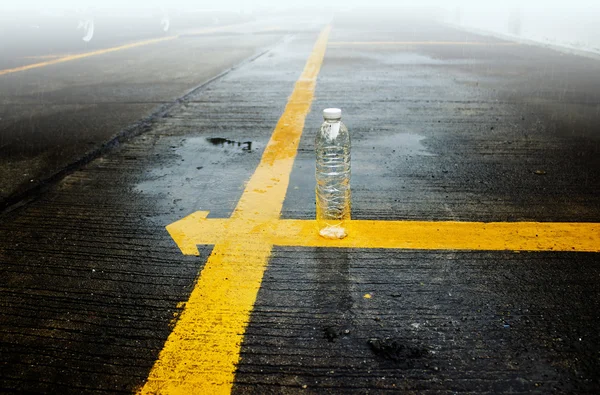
(333, 120)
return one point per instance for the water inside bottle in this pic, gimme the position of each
(333, 179)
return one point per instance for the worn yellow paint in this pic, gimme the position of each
(56, 59)
(493, 236)
(201, 354)
(69, 58)
(45, 56)
(400, 43)
(229, 28)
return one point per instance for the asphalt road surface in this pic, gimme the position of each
(61, 114)
(474, 263)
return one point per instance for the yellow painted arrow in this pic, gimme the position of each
(195, 230)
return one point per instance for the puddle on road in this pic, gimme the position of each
(213, 149)
(404, 58)
(191, 159)
(225, 143)
(401, 144)
(401, 56)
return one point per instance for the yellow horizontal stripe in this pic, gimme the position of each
(515, 236)
(230, 29)
(518, 236)
(375, 43)
(201, 354)
(56, 59)
(45, 56)
(69, 58)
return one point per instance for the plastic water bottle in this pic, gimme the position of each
(333, 175)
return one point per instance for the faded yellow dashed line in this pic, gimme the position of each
(201, 354)
(400, 43)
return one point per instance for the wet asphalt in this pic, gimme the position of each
(91, 283)
(60, 116)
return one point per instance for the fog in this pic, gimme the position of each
(235, 5)
(571, 24)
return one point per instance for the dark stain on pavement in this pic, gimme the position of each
(395, 350)
(226, 143)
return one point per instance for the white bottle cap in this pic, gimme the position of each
(332, 113)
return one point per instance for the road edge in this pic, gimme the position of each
(143, 125)
(565, 49)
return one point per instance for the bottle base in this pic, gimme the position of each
(333, 232)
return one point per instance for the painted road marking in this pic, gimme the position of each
(399, 43)
(201, 354)
(231, 29)
(45, 56)
(69, 58)
(56, 59)
(195, 230)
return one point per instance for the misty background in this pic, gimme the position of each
(568, 24)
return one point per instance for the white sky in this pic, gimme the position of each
(279, 4)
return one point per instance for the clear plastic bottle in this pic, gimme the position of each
(333, 176)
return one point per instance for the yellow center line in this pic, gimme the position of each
(201, 354)
(69, 58)
(399, 43)
(195, 230)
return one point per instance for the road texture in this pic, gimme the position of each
(453, 134)
(56, 115)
